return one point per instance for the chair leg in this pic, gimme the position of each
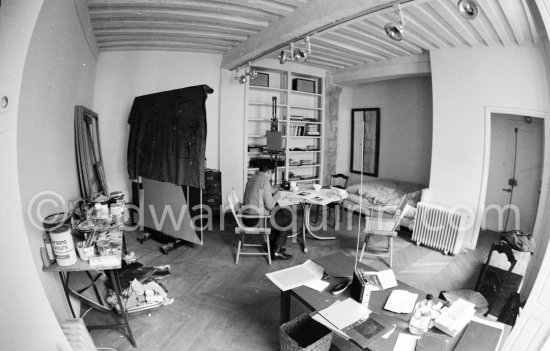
(316, 213)
(390, 249)
(268, 249)
(238, 250)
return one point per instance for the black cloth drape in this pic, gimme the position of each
(168, 136)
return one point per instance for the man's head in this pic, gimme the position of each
(267, 167)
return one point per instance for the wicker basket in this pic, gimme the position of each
(304, 321)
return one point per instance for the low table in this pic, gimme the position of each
(313, 197)
(339, 267)
(111, 266)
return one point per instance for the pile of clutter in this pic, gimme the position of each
(141, 292)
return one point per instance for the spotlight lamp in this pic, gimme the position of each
(296, 54)
(469, 9)
(395, 30)
(247, 73)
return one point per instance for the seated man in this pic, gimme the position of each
(258, 200)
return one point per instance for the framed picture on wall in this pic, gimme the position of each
(365, 141)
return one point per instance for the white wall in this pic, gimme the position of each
(59, 74)
(27, 321)
(464, 82)
(405, 127)
(122, 76)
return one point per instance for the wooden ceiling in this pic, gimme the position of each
(227, 26)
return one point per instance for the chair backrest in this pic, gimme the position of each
(235, 205)
(339, 180)
(400, 211)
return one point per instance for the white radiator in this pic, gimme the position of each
(77, 334)
(438, 227)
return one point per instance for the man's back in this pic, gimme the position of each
(258, 198)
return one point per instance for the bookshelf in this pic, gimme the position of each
(300, 113)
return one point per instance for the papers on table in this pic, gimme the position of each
(401, 301)
(293, 277)
(318, 285)
(405, 342)
(453, 319)
(345, 314)
(351, 320)
(381, 280)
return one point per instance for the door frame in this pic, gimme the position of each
(489, 110)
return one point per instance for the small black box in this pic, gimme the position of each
(304, 85)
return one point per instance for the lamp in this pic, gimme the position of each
(469, 9)
(395, 30)
(298, 54)
(244, 77)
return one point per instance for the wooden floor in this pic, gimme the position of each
(222, 306)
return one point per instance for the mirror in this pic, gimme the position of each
(365, 141)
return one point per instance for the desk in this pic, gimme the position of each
(339, 266)
(111, 268)
(321, 197)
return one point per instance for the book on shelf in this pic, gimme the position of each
(454, 318)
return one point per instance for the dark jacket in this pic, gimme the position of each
(167, 139)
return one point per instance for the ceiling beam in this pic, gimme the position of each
(316, 16)
(409, 66)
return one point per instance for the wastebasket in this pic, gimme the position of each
(304, 334)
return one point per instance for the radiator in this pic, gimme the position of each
(77, 334)
(438, 228)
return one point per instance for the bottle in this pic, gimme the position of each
(48, 246)
(421, 316)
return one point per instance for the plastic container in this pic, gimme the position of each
(63, 246)
(421, 316)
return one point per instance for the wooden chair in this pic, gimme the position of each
(337, 181)
(487, 290)
(384, 227)
(244, 230)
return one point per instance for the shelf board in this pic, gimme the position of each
(304, 122)
(305, 93)
(260, 103)
(305, 107)
(302, 152)
(256, 136)
(305, 166)
(302, 136)
(254, 87)
(259, 120)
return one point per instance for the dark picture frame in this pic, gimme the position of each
(365, 141)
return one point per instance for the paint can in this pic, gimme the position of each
(63, 245)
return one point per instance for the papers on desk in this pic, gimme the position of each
(401, 301)
(293, 277)
(481, 334)
(345, 314)
(405, 342)
(351, 320)
(453, 319)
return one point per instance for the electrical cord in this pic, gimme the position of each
(86, 312)
(512, 186)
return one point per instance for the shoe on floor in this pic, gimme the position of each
(279, 255)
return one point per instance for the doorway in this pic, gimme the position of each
(515, 172)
